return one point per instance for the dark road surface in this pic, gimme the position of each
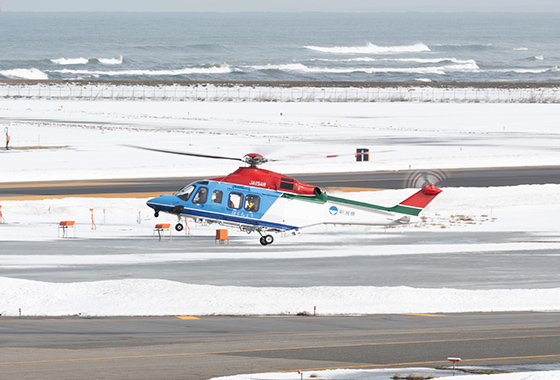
(176, 348)
(484, 177)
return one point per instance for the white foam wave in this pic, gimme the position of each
(24, 74)
(85, 61)
(406, 60)
(69, 61)
(538, 58)
(223, 69)
(111, 61)
(534, 71)
(521, 49)
(370, 48)
(469, 66)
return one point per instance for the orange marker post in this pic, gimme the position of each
(93, 226)
(2, 220)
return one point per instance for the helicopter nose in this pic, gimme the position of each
(156, 203)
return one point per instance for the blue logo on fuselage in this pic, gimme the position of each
(333, 210)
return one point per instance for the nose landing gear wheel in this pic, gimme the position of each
(179, 227)
(156, 214)
(267, 239)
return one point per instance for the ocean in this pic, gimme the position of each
(426, 47)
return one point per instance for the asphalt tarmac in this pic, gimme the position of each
(531, 268)
(183, 347)
(144, 187)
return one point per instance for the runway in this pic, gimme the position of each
(355, 181)
(187, 348)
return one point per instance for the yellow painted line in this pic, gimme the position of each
(186, 317)
(361, 180)
(306, 348)
(349, 189)
(425, 315)
(39, 147)
(12, 185)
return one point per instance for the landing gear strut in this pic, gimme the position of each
(266, 239)
(179, 226)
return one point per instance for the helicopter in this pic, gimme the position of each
(254, 199)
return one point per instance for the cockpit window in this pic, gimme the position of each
(217, 196)
(201, 195)
(185, 192)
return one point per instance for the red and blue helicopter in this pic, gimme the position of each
(259, 200)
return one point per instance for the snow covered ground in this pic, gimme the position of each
(386, 374)
(66, 139)
(87, 141)
(88, 137)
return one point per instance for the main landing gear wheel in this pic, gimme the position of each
(156, 214)
(267, 239)
(179, 227)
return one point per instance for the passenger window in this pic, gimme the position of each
(185, 192)
(201, 195)
(252, 203)
(235, 200)
(217, 196)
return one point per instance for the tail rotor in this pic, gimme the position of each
(420, 178)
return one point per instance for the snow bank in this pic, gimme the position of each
(140, 297)
(372, 374)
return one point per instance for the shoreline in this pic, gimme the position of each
(282, 84)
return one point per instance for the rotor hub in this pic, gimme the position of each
(254, 159)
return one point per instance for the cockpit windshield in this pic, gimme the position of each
(185, 192)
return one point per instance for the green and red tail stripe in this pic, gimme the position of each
(415, 204)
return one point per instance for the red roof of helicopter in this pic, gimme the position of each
(266, 179)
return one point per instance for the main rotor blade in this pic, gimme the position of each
(186, 154)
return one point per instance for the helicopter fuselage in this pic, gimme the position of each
(260, 209)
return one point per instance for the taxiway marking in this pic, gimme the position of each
(308, 348)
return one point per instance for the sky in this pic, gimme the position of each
(285, 5)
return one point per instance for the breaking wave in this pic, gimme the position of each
(533, 71)
(85, 61)
(24, 74)
(405, 60)
(69, 61)
(298, 67)
(370, 48)
(221, 69)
